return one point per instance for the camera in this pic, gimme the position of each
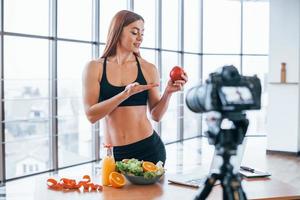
(225, 91)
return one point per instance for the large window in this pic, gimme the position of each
(192, 125)
(46, 47)
(41, 98)
(221, 26)
(30, 16)
(74, 130)
(192, 30)
(256, 61)
(255, 27)
(257, 65)
(169, 121)
(170, 25)
(74, 19)
(107, 11)
(148, 15)
(26, 103)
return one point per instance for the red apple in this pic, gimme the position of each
(175, 73)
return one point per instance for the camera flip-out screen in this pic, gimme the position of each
(236, 95)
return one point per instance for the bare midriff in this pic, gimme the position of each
(126, 125)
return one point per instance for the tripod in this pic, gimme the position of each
(226, 142)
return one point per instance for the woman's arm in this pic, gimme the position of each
(159, 105)
(91, 91)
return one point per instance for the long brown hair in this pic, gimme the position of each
(120, 20)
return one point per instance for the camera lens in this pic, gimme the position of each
(195, 99)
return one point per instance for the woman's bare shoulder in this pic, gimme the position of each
(94, 67)
(149, 70)
(147, 65)
(94, 63)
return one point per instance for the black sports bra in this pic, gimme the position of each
(107, 90)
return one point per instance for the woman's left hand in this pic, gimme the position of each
(176, 85)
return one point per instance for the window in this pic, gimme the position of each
(74, 130)
(19, 154)
(74, 19)
(192, 30)
(192, 126)
(256, 27)
(148, 15)
(26, 94)
(18, 16)
(37, 74)
(257, 65)
(221, 26)
(25, 58)
(169, 121)
(170, 27)
(107, 11)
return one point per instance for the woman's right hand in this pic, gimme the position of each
(135, 88)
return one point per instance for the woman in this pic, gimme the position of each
(119, 85)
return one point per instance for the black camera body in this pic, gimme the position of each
(225, 91)
(228, 94)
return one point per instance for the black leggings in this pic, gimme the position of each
(149, 149)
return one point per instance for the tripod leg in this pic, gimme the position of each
(240, 193)
(234, 191)
(237, 187)
(227, 192)
(208, 185)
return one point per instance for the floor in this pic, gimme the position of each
(181, 157)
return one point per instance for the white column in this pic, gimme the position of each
(283, 106)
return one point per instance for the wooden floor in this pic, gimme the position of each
(181, 157)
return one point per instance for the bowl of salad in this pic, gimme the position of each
(140, 172)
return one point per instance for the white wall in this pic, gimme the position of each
(282, 127)
(283, 106)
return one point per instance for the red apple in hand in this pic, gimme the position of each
(175, 73)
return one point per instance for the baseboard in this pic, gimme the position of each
(286, 153)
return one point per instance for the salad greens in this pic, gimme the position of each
(134, 167)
